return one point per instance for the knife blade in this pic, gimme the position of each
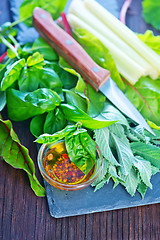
(77, 57)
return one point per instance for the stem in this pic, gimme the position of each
(3, 56)
(19, 21)
(10, 46)
(16, 44)
(124, 9)
(65, 23)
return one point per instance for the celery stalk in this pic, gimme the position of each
(124, 33)
(125, 65)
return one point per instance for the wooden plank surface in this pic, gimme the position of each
(23, 216)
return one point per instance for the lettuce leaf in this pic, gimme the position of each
(152, 41)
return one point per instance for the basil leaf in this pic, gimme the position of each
(28, 80)
(76, 100)
(37, 124)
(72, 113)
(45, 49)
(22, 106)
(55, 121)
(77, 152)
(36, 60)
(12, 74)
(50, 79)
(48, 138)
(17, 155)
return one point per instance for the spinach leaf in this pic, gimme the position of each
(17, 155)
(55, 7)
(151, 12)
(72, 113)
(22, 106)
(12, 74)
(37, 124)
(45, 49)
(48, 138)
(79, 154)
(145, 96)
(55, 121)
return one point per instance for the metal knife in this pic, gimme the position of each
(77, 57)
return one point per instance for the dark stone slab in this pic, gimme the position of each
(70, 203)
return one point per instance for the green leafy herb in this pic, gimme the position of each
(45, 49)
(81, 150)
(151, 12)
(22, 106)
(12, 74)
(48, 138)
(37, 125)
(72, 113)
(55, 121)
(17, 155)
(36, 60)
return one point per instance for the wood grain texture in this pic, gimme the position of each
(23, 216)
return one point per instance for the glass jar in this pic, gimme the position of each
(84, 181)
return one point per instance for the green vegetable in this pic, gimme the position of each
(17, 155)
(54, 122)
(22, 106)
(128, 52)
(150, 153)
(152, 41)
(12, 74)
(37, 125)
(151, 12)
(45, 49)
(72, 113)
(48, 138)
(145, 96)
(100, 54)
(36, 60)
(81, 150)
(130, 157)
(95, 100)
(55, 7)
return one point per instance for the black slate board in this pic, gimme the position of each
(70, 203)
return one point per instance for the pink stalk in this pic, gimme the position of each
(124, 9)
(65, 23)
(3, 56)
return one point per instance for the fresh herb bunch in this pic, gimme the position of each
(36, 83)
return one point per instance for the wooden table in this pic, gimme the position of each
(23, 216)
